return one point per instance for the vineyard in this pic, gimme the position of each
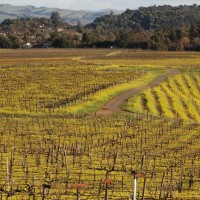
(178, 97)
(64, 88)
(53, 148)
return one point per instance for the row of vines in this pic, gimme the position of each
(60, 158)
(48, 154)
(178, 97)
(36, 89)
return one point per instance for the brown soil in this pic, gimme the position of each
(115, 104)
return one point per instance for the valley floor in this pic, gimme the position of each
(77, 124)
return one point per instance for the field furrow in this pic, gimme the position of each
(177, 97)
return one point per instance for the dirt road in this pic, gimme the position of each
(115, 104)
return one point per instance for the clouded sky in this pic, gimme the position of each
(97, 4)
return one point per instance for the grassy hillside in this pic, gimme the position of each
(71, 16)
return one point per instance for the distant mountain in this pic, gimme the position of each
(8, 11)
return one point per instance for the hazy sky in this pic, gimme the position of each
(98, 4)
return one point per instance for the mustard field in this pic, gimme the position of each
(53, 146)
(178, 97)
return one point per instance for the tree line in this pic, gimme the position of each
(155, 28)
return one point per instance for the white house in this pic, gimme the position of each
(27, 45)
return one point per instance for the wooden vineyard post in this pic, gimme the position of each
(142, 165)
(107, 182)
(45, 187)
(171, 183)
(144, 187)
(78, 197)
(106, 192)
(161, 187)
(78, 187)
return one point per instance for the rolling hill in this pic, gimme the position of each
(8, 11)
(148, 18)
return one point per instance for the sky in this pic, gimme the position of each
(98, 4)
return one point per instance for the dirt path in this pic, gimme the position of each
(115, 104)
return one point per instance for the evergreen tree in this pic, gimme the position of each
(56, 19)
